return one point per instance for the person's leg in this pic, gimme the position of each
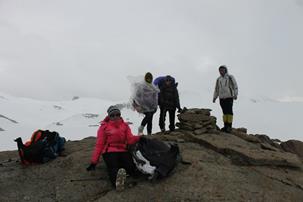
(150, 123)
(223, 104)
(162, 119)
(143, 123)
(126, 162)
(229, 113)
(172, 114)
(112, 163)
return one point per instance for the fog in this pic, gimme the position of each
(53, 50)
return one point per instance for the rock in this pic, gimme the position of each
(246, 137)
(293, 146)
(243, 130)
(75, 98)
(200, 131)
(245, 153)
(266, 139)
(193, 117)
(220, 167)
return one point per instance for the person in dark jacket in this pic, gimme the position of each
(168, 102)
(114, 135)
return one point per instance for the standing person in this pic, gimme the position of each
(227, 91)
(114, 135)
(145, 101)
(168, 102)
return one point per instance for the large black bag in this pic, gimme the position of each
(162, 155)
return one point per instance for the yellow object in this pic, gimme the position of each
(225, 118)
(229, 118)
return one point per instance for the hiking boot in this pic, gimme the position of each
(223, 129)
(120, 179)
(140, 130)
(228, 128)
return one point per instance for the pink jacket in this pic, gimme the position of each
(113, 136)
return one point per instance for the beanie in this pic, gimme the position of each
(113, 109)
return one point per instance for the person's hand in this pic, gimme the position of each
(235, 97)
(179, 110)
(91, 167)
(214, 100)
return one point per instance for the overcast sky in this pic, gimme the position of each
(60, 48)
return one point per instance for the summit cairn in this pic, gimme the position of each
(199, 121)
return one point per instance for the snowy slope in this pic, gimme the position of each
(72, 119)
(76, 119)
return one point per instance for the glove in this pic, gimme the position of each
(179, 110)
(235, 97)
(91, 167)
(214, 100)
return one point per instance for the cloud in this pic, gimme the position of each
(53, 50)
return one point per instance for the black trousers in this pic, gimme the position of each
(148, 120)
(227, 105)
(116, 160)
(172, 114)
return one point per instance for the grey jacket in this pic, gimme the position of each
(226, 87)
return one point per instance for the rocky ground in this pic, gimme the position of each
(224, 167)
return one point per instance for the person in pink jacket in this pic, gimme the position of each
(113, 137)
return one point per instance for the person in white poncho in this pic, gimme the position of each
(145, 101)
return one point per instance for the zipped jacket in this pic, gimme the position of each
(226, 87)
(113, 136)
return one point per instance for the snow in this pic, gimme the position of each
(75, 119)
(80, 118)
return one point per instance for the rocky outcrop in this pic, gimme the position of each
(197, 120)
(293, 146)
(11, 120)
(220, 167)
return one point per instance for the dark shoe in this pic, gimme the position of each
(223, 129)
(162, 130)
(120, 179)
(228, 128)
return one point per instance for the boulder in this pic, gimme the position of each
(293, 146)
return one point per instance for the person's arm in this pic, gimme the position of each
(100, 143)
(216, 92)
(234, 85)
(131, 139)
(177, 100)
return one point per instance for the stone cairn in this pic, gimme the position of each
(199, 121)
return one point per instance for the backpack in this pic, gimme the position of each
(154, 156)
(38, 147)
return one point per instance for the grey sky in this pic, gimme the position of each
(60, 48)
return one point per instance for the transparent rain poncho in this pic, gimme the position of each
(144, 96)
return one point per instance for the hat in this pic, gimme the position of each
(113, 109)
(148, 77)
(168, 78)
(223, 67)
